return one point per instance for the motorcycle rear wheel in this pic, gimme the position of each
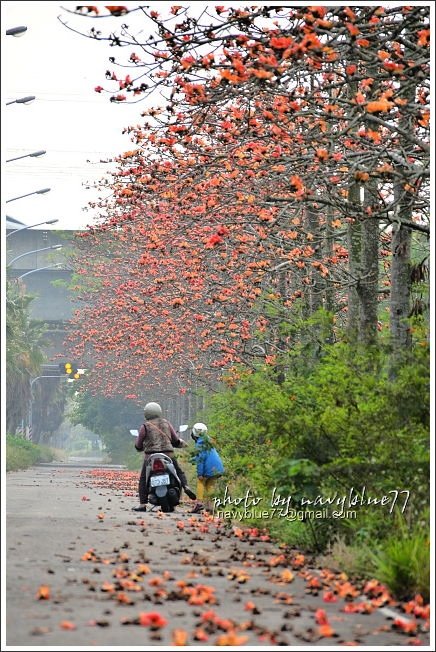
(165, 505)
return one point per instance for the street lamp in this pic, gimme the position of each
(23, 228)
(39, 153)
(38, 269)
(34, 251)
(35, 192)
(22, 100)
(16, 31)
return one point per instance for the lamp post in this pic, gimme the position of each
(34, 251)
(35, 192)
(16, 31)
(23, 228)
(38, 269)
(38, 153)
(22, 100)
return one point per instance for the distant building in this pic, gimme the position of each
(53, 301)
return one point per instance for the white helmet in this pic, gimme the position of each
(199, 429)
(152, 410)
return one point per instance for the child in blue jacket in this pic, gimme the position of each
(209, 466)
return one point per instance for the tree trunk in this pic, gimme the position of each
(400, 286)
(315, 294)
(329, 293)
(354, 236)
(281, 344)
(368, 286)
(401, 239)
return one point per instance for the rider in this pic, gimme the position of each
(157, 435)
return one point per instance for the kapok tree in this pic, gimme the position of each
(335, 83)
(231, 279)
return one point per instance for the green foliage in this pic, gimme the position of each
(403, 561)
(133, 460)
(111, 419)
(23, 353)
(302, 474)
(342, 420)
(186, 461)
(21, 453)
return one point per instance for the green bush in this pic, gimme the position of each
(21, 453)
(402, 562)
(343, 417)
(111, 420)
(133, 460)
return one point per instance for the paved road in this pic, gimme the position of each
(84, 570)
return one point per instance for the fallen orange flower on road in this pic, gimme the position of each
(43, 592)
(321, 617)
(231, 638)
(286, 575)
(152, 619)
(329, 596)
(409, 627)
(200, 635)
(326, 631)
(180, 637)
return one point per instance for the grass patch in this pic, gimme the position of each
(402, 562)
(354, 560)
(21, 453)
(295, 534)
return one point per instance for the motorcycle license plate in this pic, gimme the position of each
(159, 480)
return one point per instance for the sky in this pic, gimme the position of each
(76, 126)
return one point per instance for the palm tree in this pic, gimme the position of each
(23, 354)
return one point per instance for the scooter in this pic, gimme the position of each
(163, 483)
